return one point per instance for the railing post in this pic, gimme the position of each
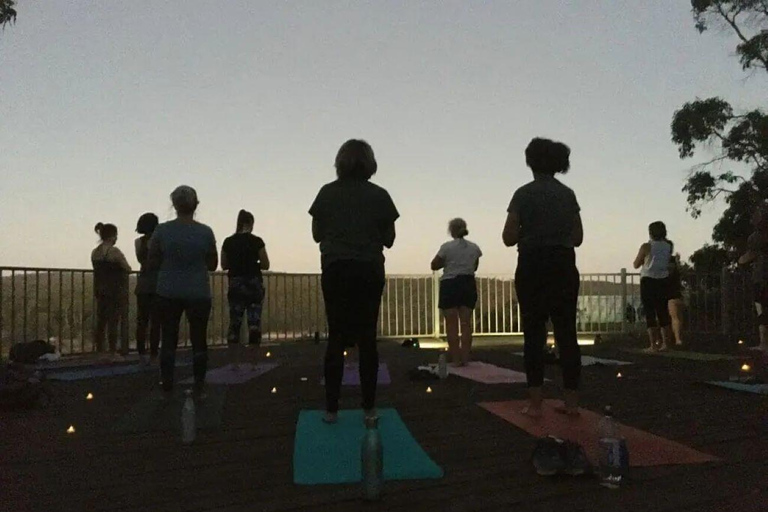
(435, 304)
(623, 300)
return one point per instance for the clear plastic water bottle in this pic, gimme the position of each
(372, 455)
(614, 458)
(442, 366)
(188, 429)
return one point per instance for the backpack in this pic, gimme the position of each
(30, 352)
(21, 388)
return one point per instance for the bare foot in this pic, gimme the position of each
(330, 417)
(532, 411)
(568, 410)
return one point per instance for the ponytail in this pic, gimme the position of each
(105, 231)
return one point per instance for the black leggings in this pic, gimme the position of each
(197, 312)
(352, 292)
(547, 285)
(147, 319)
(654, 294)
(111, 322)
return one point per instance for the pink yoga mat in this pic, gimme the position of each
(487, 373)
(230, 374)
(645, 449)
(352, 375)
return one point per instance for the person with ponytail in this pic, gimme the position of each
(183, 251)
(244, 256)
(544, 222)
(459, 260)
(654, 259)
(146, 285)
(110, 287)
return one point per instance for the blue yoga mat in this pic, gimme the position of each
(758, 389)
(330, 454)
(106, 371)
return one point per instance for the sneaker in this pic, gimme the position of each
(576, 463)
(548, 456)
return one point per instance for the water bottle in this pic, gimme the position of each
(442, 366)
(188, 419)
(614, 458)
(372, 456)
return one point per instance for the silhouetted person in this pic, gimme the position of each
(184, 251)
(757, 257)
(655, 257)
(676, 304)
(147, 318)
(352, 220)
(110, 286)
(459, 260)
(244, 256)
(544, 222)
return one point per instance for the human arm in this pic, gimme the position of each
(511, 234)
(642, 253)
(263, 259)
(437, 263)
(115, 255)
(577, 232)
(212, 255)
(224, 260)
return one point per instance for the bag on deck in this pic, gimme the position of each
(30, 352)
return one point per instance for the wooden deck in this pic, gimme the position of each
(246, 466)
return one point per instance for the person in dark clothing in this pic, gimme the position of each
(147, 319)
(184, 251)
(352, 220)
(543, 220)
(110, 286)
(757, 257)
(244, 256)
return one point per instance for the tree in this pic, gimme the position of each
(739, 139)
(7, 12)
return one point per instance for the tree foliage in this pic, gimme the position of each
(738, 172)
(7, 12)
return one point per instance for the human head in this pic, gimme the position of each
(547, 157)
(106, 232)
(244, 221)
(457, 228)
(355, 160)
(147, 224)
(657, 230)
(184, 199)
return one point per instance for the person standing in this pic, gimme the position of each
(459, 260)
(653, 259)
(244, 256)
(183, 251)
(352, 220)
(110, 286)
(676, 304)
(147, 320)
(544, 222)
(757, 256)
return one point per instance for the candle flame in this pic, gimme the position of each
(429, 389)
(345, 353)
(89, 396)
(269, 354)
(745, 367)
(618, 375)
(274, 390)
(303, 379)
(741, 342)
(71, 429)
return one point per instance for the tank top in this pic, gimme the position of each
(656, 265)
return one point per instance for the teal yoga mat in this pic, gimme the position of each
(758, 389)
(330, 454)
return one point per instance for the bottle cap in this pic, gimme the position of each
(371, 421)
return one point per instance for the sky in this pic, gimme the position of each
(105, 107)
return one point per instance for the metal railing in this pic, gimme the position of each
(58, 305)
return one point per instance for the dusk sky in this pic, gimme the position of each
(106, 106)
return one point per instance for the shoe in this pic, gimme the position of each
(576, 463)
(548, 456)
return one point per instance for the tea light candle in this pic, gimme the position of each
(269, 354)
(746, 368)
(429, 389)
(345, 353)
(618, 375)
(71, 429)
(89, 396)
(274, 390)
(741, 342)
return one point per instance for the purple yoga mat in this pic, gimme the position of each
(230, 374)
(352, 375)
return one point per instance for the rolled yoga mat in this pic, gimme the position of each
(330, 454)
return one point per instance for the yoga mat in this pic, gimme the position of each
(230, 375)
(679, 354)
(107, 371)
(330, 454)
(153, 413)
(645, 449)
(83, 362)
(487, 373)
(594, 361)
(352, 375)
(758, 389)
